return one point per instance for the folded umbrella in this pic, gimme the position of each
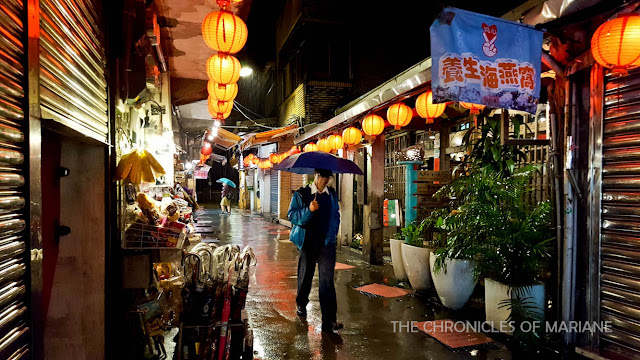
(307, 162)
(226, 181)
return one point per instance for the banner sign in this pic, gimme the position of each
(485, 60)
(200, 174)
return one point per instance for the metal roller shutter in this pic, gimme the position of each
(14, 322)
(273, 201)
(72, 67)
(620, 233)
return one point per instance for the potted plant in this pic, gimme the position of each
(415, 257)
(396, 257)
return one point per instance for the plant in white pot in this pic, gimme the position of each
(415, 257)
(396, 257)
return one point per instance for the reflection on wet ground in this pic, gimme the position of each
(369, 330)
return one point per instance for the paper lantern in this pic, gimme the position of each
(616, 44)
(207, 149)
(399, 115)
(352, 136)
(222, 92)
(427, 109)
(224, 32)
(281, 157)
(223, 69)
(335, 142)
(294, 150)
(310, 147)
(219, 107)
(255, 160)
(373, 125)
(475, 108)
(323, 145)
(273, 158)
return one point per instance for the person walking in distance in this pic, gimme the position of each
(224, 201)
(315, 217)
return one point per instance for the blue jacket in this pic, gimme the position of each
(299, 215)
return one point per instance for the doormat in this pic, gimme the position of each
(463, 338)
(341, 266)
(379, 290)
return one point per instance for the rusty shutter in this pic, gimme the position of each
(72, 67)
(14, 322)
(620, 232)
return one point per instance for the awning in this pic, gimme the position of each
(268, 136)
(226, 139)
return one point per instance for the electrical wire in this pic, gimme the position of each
(249, 110)
(253, 121)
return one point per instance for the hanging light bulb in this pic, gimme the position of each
(188, 165)
(216, 124)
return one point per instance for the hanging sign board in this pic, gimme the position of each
(428, 201)
(485, 60)
(429, 175)
(427, 189)
(200, 174)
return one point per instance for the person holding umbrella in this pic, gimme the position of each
(227, 193)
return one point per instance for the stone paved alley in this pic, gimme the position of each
(368, 334)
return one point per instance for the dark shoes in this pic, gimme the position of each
(301, 311)
(331, 326)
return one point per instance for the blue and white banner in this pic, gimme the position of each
(485, 60)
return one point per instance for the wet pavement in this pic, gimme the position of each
(369, 329)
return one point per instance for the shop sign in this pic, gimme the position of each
(200, 174)
(485, 60)
(439, 176)
(427, 189)
(392, 214)
(427, 201)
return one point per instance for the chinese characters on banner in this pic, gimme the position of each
(485, 60)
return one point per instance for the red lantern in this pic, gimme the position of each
(616, 44)
(219, 109)
(221, 92)
(399, 115)
(335, 142)
(224, 32)
(273, 158)
(427, 109)
(475, 108)
(323, 145)
(207, 149)
(310, 147)
(255, 160)
(373, 125)
(223, 69)
(294, 150)
(352, 136)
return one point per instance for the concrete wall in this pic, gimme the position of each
(74, 326)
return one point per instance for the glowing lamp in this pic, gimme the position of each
(323, 145)
(207, 149)
(616, 44)
(352, 136)
(294, 150)
(399, 115)
(335, 142)
(373, 125)
(273, 158)
(427, 109)
(310, 147)
(222, 92)
(475, 108)
(217, 107)
(224, 32)
(255, 160)
(223, 69)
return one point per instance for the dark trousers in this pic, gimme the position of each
(325, 257)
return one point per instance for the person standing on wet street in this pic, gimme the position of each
(224, 201)
(315, 217)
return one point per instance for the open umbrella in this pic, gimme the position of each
(226, 181)
(306, 163)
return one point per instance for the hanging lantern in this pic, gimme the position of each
(616, 44)
(273, 158)
(335, 142)
(255, 160)
(399, 115)
(281, 157)
(352, 136)
(207, 149)
(219, 107)
(294, 150)
(310, 147)
(373, 125)
(223, 69)
(323, 145)
(475, 108)
(221, 92)
(224, 32)
(427, 109)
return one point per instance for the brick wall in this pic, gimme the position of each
(294, 105)
(288, 181)
(323, 98)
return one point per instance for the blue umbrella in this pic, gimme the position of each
(307, 162)
(226, 181)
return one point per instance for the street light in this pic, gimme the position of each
(188, 165)
(246, 71)
(216, 124)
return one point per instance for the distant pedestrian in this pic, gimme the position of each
(224, 201)
(315, 216)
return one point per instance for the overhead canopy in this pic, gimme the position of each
(267, 136)
(226, 139)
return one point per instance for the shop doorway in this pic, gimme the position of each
(73, 188)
